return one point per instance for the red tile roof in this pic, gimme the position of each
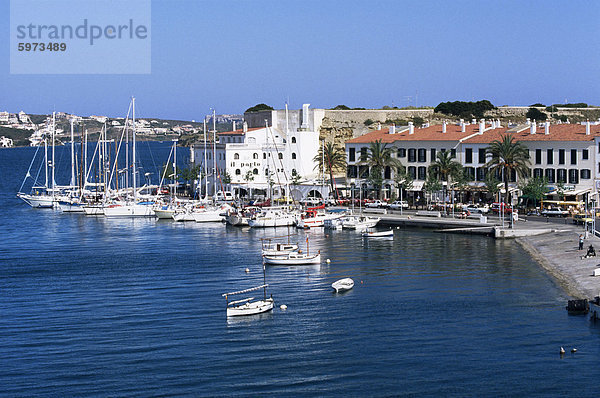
(431, 133)
(557, 132)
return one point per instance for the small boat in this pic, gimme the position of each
(378, 234)
(359, 222)
(249, 306)
(293, 258)
(342, 285)
(273, 217)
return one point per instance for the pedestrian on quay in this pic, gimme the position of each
(581, 242)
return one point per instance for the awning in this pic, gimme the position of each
(417, 186)
(570, 193)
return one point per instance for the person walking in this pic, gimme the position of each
(580, 242)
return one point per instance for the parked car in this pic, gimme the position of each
(312, 201)
(377, 204)
(399, 204)
(472, 208)
(497, 207)
(555, 211)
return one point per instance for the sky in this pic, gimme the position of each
(230, 55)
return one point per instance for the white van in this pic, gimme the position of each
(225, 196)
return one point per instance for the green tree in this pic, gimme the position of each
(508, 156)
(465, 109)
(536, 114)
(445, 168)
(335, 161)
(491, 183)
(259, 107)
(341, 108)
(368, 122)
(534, 189)
(432, 184)
(418, 121)
(378, 156)
(249, 177)
(296, 178)
(226, 178)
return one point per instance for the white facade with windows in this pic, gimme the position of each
(257, 158)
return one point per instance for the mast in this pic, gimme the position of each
(287, 134)
(175, 165)
(72, 156)
(46, 159)
(53, 133)
(205, 164)
(214, 157)
(133, 151)
(323, 169)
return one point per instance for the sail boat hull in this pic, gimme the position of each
(251, 308)
(37, 201)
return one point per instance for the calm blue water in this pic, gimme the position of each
(106, 307)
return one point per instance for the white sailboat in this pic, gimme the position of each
(359, 222)
(273, 217)
(249, 306)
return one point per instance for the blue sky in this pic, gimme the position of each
(231, 55)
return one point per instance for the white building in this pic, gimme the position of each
(262, 157)
(563, 153)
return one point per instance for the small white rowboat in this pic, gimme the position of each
(343, 285)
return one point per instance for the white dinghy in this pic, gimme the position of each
(378, 234)
(248, 306)
(342, 285)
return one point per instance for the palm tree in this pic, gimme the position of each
(335, 161)
(378, 156)
(445, 168)
(508, 156)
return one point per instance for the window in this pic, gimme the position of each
(550, 176)
(412, 172)
(363, 171)
(468, 155)
(538, 173)
(255, 171)
(267, 171)
(573, 156)
(470, 173)
(585, 174)
(255, 156)
(422, 173)
(561, 175)
(433, 154)
(293, 155)
(550, 156)
(561, 156)
(573, 176)
(237, 172)
(280, 155)
(293, 140)
(264, 155)
(481, 155)
(538, 156)
(412, 155)
(352, 154)
(481, 172)
(401, 152)
(422, 155)
(363, 153)
(585, 154)
(387, 173)
(352, 171)
(453, 153)
(236, 156)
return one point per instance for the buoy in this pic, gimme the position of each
(328, 261)
(562, 350)
(247, 270)
(573, 350)
(283, 307)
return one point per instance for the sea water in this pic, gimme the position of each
(91, 306)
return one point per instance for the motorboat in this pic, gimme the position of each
(215, 214)
(293, 258)
(342, 285)
(315, 217)
(359, 222)
(249, 306)
(378, 234)
(272, 217)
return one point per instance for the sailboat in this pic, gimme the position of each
(41, 196)
(131, 208)
(249, 306)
